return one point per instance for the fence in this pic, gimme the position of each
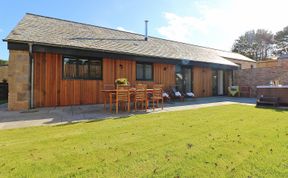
(3, 91)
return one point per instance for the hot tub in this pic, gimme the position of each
(281, 92)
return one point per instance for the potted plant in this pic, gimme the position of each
(121, 81)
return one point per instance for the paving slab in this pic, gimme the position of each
(68, 114)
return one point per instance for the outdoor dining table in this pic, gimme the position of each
(110, 93)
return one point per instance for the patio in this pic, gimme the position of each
(69, 114)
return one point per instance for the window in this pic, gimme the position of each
(81, 68)
(144, 71)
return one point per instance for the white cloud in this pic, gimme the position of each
(219, 26)
(123, 29)
(181, 28)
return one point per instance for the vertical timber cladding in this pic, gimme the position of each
(202, 81)
(51, 90)
(162, 73)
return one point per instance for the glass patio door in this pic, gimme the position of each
(184, 78)
(187, 82)
(217, 82)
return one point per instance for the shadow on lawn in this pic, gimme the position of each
(277, 109)
(96, 120)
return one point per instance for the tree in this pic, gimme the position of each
(3, 62)
(256, 45)
(281, 40)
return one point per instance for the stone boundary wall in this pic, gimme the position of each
(262, 76)
(268, 63)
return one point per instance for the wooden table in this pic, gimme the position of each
(112, 92)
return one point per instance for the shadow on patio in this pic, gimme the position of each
(71, 114)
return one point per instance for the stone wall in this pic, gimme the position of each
(268, 63)
(18, 76)
(262, 76)
(242, 63)
(3, 73)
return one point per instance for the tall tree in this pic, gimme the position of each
(3, 61)
(256, 45)
(281, 40)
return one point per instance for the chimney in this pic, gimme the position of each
(146, 30)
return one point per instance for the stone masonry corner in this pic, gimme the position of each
(18, 76)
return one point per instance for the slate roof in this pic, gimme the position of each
(232, 55)
(57, 32)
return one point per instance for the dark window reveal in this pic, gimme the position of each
(144, 71)
(79, 68)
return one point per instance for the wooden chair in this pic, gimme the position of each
(157, 95)
(175, 94)
(245, 91)
(141, 96)
(107, 95)
(122, 96)
(166, 95)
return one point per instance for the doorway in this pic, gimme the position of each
(217, 82)
(187, 79)
(184, 78)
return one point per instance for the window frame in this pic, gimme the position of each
(144, 71)
(78, 58)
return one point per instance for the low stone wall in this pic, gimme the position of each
(3, 73)
(18, 77)
(262, 76)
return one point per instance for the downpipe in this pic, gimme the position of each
(31, 78)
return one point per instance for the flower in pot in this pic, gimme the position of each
(121, 81)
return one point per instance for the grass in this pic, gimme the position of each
(3, 101)
(222, 141)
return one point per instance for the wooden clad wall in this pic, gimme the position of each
(51, 90)
(202, 81)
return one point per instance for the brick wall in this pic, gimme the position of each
(3, 72)
(262, 76)
(18, 77)
(268, 63)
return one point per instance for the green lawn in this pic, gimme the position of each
(222, 141)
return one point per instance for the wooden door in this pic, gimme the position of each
(202, 81)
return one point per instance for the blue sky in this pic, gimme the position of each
(212, 23)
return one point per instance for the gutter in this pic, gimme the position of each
(31, 79)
